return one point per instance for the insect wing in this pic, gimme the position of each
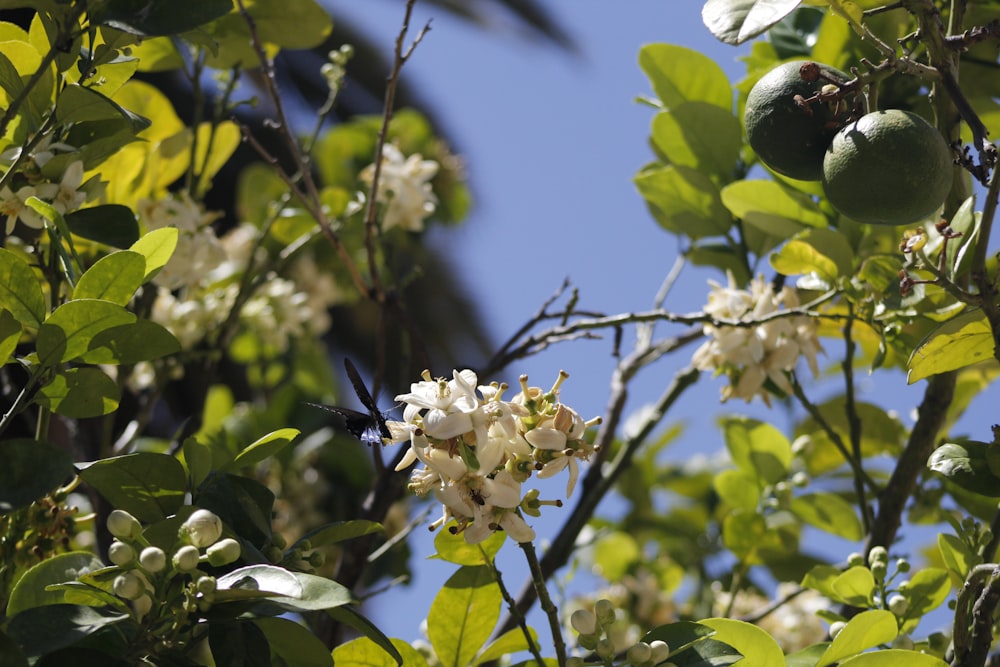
(377, 423)
(357, 423)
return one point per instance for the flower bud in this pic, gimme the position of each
(575, 661)
(639, 653)
(584, 621)
(223, 552)
(153, 559)
(123, 525)
(121, 554)
(661, 651)
(206, 585)
(878, 555)
(605, 649)
(605, 611)
(855, 559)
(142, 605)
(836, 628)
(128, 586)
(186, 558)
(898, 604)
(202, 528)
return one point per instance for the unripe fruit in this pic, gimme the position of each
(789, 135)
(888, 167)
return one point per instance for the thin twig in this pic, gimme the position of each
(538, 579)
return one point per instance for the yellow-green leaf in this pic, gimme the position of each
(867, 629)
(463, 615)
(757, 647)
(961, 341)
(157, 247)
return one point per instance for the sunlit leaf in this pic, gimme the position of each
(894, 657)
(737, 488)
(830, 513)
(20, 292)
(149, 486)
(262, 449)
(679, 75)
(699, 135)
(67, 333)
(363, 652)
(157, 247)
(454, 549)
(757, 448)
(30, 589)
(771, 208)
(114, 277)
(736, 21)
(684, 201)
(10, 334)
(967, 464)
(614, 554)
(961, 341)
(757, 647)
(866, 630)
(463, 615)
(855, 587)
(80, 393)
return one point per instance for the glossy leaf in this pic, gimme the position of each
(157, 247)
(699, 135)
(363, 652)
(821, 251)
(155, 18)
(757, 448)
(67, 333)
(262, 449)
(683, 201)
(756, 646)
(294, 643)
(114, 277)
(736, 21)
(706, 653)
(20, 292)
(967, 465)
(866, 630)
(30, 590)
(112, 224)
(341, 531)
(966, 222)
(830, 513)
(43, 630)
(772, 208)
(454, 548)
(351, 617)
(79, 393)
(149, 486)
(679, 75)
(142, 340)
(463, 615)
(78, 104)
(961, 341)
(679, 635)
(30, 470)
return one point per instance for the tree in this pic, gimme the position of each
(120, 299)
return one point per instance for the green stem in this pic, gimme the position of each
(538, 579)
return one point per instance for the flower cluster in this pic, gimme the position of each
(477, 449)
(766, 348)
(595, 634)
(404, 182)
(64, 196)
(145, 568)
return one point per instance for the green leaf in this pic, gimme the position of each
(772, 208)
(705, 653)
(743, 532)
(261, 578)
(807, 657)
(736, 21)
(77, 104)
(683, 201)
(927, 590)
(80, 393)
(757, 448)
(961, 341)
(114, 278)
(454, 548)
(722, 256)
(157, 247)
(67, 333)
(830, 513)
(820, 578)
(142, 17)
(363, 652)
(10, 335)
(350, 617)
(882, 434)
(679, 635)
(509, 643)
(822, 251)
(30, 590)
(43, 630)
(341, 531)
(242, 503)
(238, 643)
(701, 136)
(291, 24)
(10, 653)
(894, 657)
(967, 465)
(966, 222)
(141, 340)
(294, 643)
(679, 75)
(957, 556)
(614, 555)
(112, 224)
(20, 291)
(149, 486)
(866, 630)
(463, 615)
(756, 646)
(737, 488)
(262, 449)
(855, 587)
(318, 593)
(30, 470)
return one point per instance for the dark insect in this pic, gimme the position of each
(369, 428)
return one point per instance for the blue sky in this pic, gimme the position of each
(551, 141)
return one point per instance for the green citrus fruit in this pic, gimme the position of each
(788, 136)
(888, 167)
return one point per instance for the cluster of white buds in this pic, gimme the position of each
(477, 449)
(753, 354)
(144, 564)
(593, 629)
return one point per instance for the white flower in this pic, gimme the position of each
(203, 528)
(752, 355)
(13, 207)
(67, 196)
(405, 184)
